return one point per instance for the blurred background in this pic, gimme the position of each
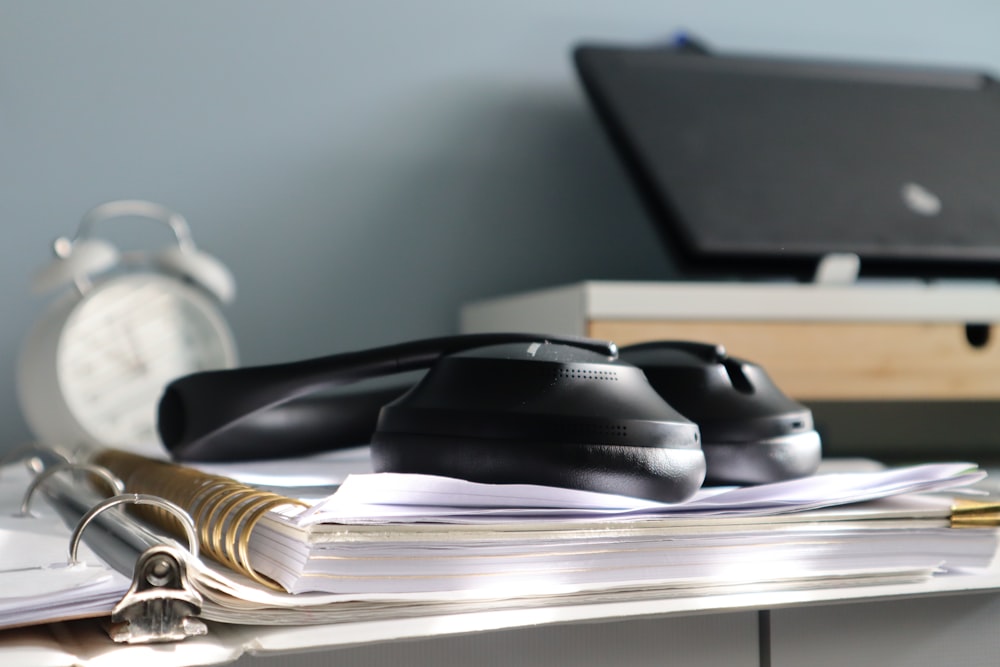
(365, 167)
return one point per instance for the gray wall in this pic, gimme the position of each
(364, 167)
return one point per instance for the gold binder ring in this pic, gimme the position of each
(135, 499)
(115, 484)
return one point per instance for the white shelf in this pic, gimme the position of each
(566, 308)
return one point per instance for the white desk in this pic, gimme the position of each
(949, 620)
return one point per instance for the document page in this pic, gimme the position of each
(394, 497)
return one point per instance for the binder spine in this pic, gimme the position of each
(224, 511)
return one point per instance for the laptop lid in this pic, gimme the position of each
(759, 165)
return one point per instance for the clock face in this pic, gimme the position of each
(125, 342)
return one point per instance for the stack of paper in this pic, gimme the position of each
(404, 534)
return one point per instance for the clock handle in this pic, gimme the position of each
(202, 408)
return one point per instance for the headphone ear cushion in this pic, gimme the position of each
(80, 259)
(657, 473)
(201, 268)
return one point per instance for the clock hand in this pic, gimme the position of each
(136, 361)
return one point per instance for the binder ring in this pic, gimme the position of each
(30, 453)
(115, 484)
(136, 499)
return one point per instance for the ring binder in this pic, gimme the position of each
(390, 548)
(114, 483)
(157, 603)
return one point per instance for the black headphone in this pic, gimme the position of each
(496, 408)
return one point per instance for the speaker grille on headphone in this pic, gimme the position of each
(598, 430)
(583, 374)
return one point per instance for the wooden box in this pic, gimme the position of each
(880, 341)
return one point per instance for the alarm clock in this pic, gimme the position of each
(91, 371)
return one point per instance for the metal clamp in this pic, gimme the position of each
(161, 605)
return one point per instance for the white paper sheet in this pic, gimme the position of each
(395, 497)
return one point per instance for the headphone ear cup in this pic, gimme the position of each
(201, 268)
(75, 260)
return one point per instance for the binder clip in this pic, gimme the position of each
(161, 605)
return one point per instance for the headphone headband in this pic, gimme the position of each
(205, 406)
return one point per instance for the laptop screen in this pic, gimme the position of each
(771, 164)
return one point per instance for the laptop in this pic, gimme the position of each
(756, 165)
